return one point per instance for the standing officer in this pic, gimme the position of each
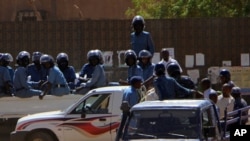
(141, 39)
(56, 83)
(225, 77)
(62, 61)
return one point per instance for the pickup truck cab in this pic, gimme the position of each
(194, 120)
(93, 117)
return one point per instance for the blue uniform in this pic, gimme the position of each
(87, 69)
(70, 76)
(142, 41)
(167, 88)
(98, 80)
(131, 95)
(147, 70)
(59, 85)
(22, 87)
(4, 77)
(134, 70)
(11, 71)
(36, 74)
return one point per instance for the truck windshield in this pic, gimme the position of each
(169, 124)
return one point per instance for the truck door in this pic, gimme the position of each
(90, 120)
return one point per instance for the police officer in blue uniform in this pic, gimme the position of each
(133, 68)
(62, 61)
(56, 83)
(167, 87)
(86, 70)
(5, 61)
(36, 71)
(141, 39)
(98, 77)
(23, 88)
(6, 83)
(146, 64)
(174, 71)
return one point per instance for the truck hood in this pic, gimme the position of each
(43, 115)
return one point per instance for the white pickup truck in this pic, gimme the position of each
(93, 117)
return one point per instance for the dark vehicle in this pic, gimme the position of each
(175, 120)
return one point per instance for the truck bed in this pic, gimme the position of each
(15, 107)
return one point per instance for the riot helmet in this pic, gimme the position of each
(62, 60)
(23, 58)
(173, 70)
(159, 69)
(36, 56)
(130, 57)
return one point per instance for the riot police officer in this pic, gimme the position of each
(23, 88)
(36, 72)
(174, 71)
(98, 78)
(133, 68)
(141, 39)
(62, 61)
(56, 83)
(6, 82)
(225, 77)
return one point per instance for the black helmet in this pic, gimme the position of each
(173, 69)
(144, 54)
(138, 20)
(130, 54)
(62, 57)
(225, 73)
(5, 59)
(159, 69)
(23, 58)
(100, 55)
(36, 56)
(93, 54)
(46, 58)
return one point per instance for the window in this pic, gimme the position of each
(95, 104)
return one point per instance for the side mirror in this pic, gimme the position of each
(83, 113)
(209, 131)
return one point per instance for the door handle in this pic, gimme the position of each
(102, 119)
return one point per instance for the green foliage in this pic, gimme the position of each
(162, 9)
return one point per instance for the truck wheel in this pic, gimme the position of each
(40, 136)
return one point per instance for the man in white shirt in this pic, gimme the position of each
(166, 59)
(225, 100)
(206, 88)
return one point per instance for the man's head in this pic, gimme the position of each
(130, 57)
(145, 56)
(136, 81)
(213, 97)
(165, 54)
(205, 84)
(174, 70)
(226, 90)
(236, 92)
(225, 76)
(138, 24)
(159, 69)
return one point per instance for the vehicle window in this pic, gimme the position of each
(95, 104)
(162, 124)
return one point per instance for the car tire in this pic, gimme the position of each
(40, 136)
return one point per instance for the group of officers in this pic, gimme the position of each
(48, 76)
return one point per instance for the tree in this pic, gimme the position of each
(161, 9)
